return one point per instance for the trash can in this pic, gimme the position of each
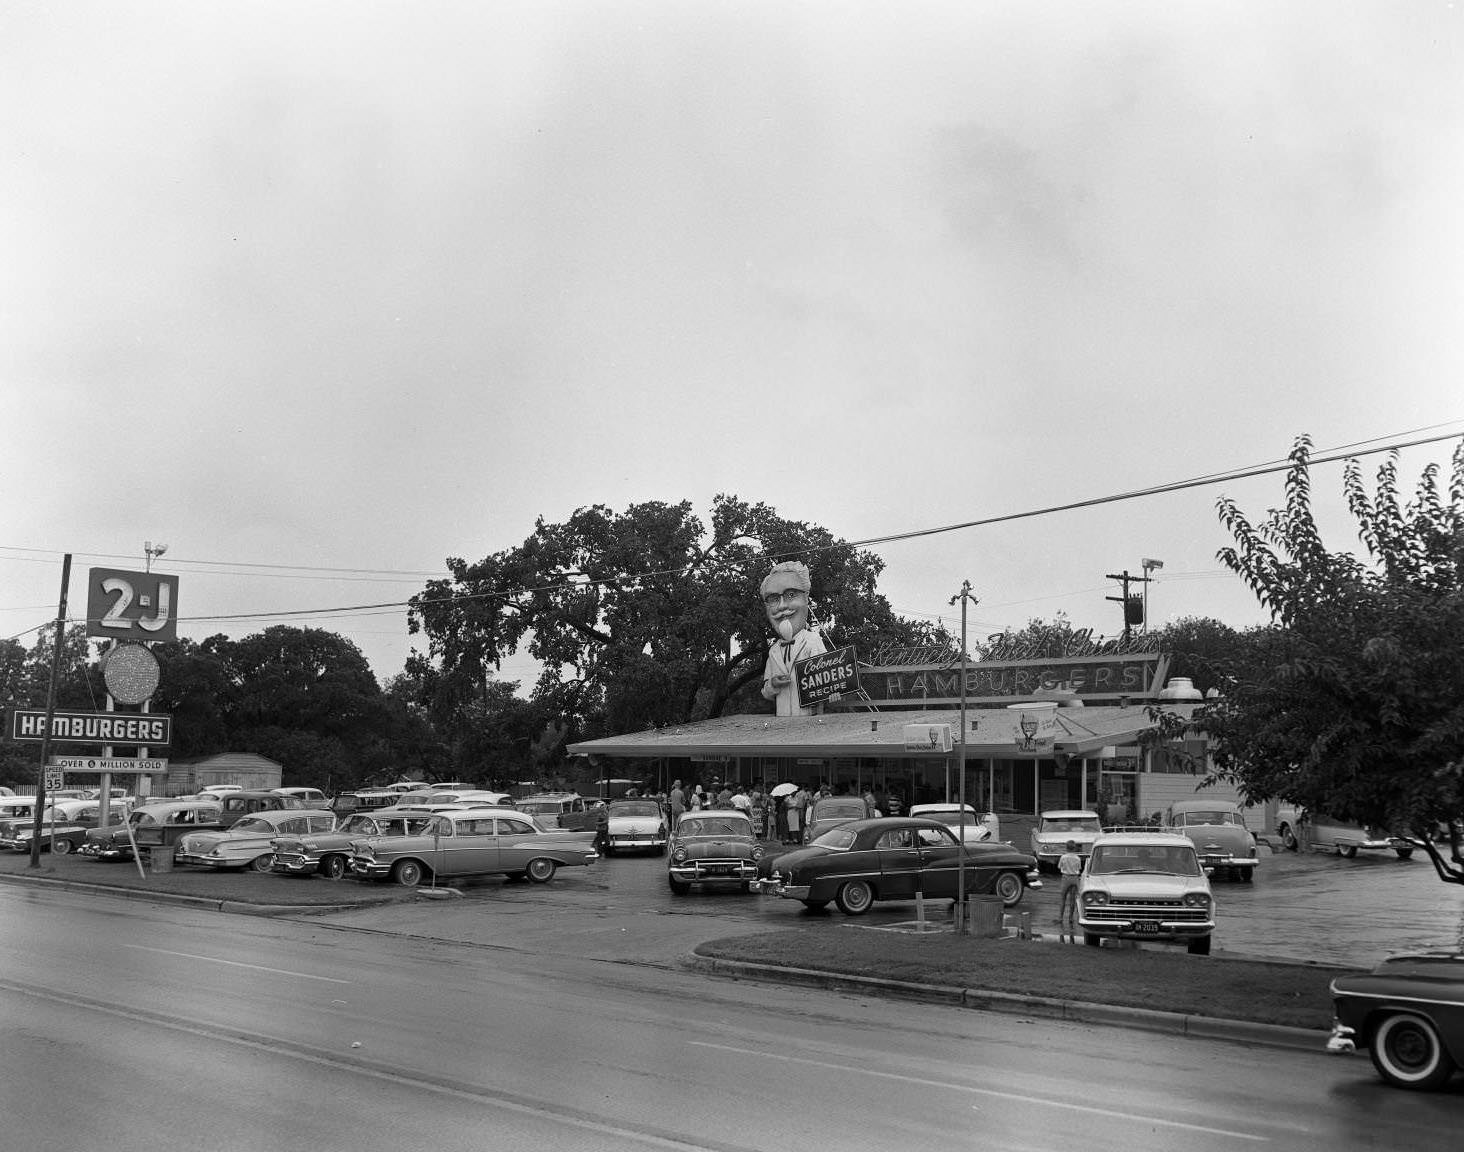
(160, 859)
(985, 915)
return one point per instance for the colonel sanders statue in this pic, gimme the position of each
(785, 595)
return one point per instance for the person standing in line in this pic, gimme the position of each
(698, 799)
(797, 805)
(780, 818)
(1070, 867)
(759, 810)
(677, 802)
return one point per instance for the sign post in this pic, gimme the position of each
(35, 853)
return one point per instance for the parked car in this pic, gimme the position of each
(17, 808)
(1323, 833)
(247, 843)
(1218, 832)
(567, 810)
(328, 853)
(159, 823)
(831, 811)
(896, 858)
(234, 806)
(636, 824)
(313, 797)
(419, 797)
(367, 799)
(1146, 886)
(978, 828)
(1408, 1012)
(473, 842)
(713, 846)
(64, 825)
(1056, 827)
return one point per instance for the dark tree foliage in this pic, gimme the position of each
(1354, 703)
(641, 618)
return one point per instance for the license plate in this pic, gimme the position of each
(719, 870)
(1146, 926)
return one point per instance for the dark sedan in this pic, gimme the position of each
(895, 858)
(1408, 1012)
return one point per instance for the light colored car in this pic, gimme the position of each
(713, 846)
(1217, 829)
(484, 841)
(1146, 886)
(829, 812)
(64, 825)
(1060, 825)
(978, 827)
(328, 853)
(312, 797)
(635, 825)
(248, 842)
(160, 823)
(1323, 833)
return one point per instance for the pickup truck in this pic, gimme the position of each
(567, 810)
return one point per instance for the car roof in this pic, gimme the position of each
(1152, 839)
(1203, 805)
(916, 809)
(273, 814)
(1069, 814)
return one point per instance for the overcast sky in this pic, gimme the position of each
(320, 294)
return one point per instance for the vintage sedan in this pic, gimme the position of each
(1217, 829)
(248, 843)
(829, 812)
(484, 841)
(328, 853)
(1056, 827)
(64, 825)
(1146, 886)
(896, 858)
(977, 827)
(1323, 833)
(635, 825)
(713, 847)
(1408, 1012)
(159, 823)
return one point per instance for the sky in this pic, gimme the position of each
(321, 294)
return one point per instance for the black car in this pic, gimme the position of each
(896, 858)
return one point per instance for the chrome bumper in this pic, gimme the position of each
(1341, 1040)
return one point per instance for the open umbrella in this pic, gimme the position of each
(783, 789)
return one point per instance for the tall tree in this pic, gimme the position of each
(643, 617)
(1355, 703)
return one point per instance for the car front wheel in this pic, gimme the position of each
(333, 867)
(1347, 851)
(1407, 1052)
(1288, 838)
(60, 847)
(854, 898)
(1199, 946)
(1010, 888)
(678, 887)
(262, 863)
(541, 871)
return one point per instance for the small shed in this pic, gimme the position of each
(246, 769)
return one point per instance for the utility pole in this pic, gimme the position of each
(1129, 608)
(962, 926)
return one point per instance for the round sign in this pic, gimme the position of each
(131, 673)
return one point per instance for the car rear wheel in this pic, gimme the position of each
(407, 873)
(1347, 851)
(1288, 838)
(1407, 1052)
(1247, 875)
(1199, 946)
(540, 870)
(678, 887)
(1009, 887)
(262, 863)
(333, 867)
(60, 847)
(854, 898)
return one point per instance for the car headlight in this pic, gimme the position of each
(1095, 898)
(1196, 900)
(679, 855)
(757, 852)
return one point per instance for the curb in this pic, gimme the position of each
(211, 903)
(1073, 1011)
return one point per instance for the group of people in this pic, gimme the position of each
(783, 817)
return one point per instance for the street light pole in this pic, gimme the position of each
(961, 924)
(1149, 566)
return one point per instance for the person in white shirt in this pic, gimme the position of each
(1070, 867)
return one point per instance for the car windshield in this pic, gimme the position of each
(719, 825)
(826, 808)
(951, 818)
(1071, 824)
(638, 808)
(1111, 859)
(1210, 817)
(840, 838)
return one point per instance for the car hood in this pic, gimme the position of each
(716, 846)
(1146, 886)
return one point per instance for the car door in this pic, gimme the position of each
(518, 842)
(901, 864)
(940, 856)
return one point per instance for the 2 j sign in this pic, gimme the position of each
(131, 605)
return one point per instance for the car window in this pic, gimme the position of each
(319, 823)
(934, 837)
(440, 827)
(1111, 859)
(508, 826)
(713, 826)
(896, 838)
(254, 824)
(840, 837)
(647, 808)
(1065, 824)
(475, 827)
(358, 824)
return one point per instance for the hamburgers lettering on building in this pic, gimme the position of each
(127, 728)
